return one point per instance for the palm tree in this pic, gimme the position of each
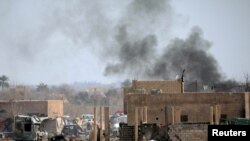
(42, 87)
(3, 81)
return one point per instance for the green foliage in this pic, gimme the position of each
(4, 81)
(42, 87)
(83, 97)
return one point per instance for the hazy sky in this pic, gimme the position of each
(226, 24)
(64, 41)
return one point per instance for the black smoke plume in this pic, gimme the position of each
(132, 54)
(135, 40)
(136, 54)
(190, 54)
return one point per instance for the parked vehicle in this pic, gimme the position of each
(87, 117)
(73, 132)
(115, 122)
(235, 121)
(28, 128)
(54, 128)
(34, 128)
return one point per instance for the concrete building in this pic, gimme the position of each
(9, 109)
(145, 87)
(170, 105)
(48, 108)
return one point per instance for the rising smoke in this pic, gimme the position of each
(53, 41)
(136, 52)
(132, 54)
(136, 37)
(190, 54)
(130, 39)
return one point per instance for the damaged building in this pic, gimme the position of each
(9, 109)
(50, 108)
(182, 115)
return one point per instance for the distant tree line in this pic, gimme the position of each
(4, 82)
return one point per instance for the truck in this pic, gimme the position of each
(28, 128)
(235, 121)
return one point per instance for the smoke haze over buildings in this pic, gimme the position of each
(136, 50)
(63, 42)
(190, 54)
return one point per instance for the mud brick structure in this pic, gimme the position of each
(50, 108)
(170, 105)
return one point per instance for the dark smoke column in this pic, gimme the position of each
(190, 54)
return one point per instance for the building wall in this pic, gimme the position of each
(173, 86)
(188, 132)
(30, 107)
(126, 91)
(247, 105)
(165, 86)
(198, 107)
(55, 108)
(47, 108)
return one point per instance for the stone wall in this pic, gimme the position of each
(170, 86)
(42, 107)
(55, 108)
(188, 132)
(166, 109)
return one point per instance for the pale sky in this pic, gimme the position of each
(226, 23)
(62, 41)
